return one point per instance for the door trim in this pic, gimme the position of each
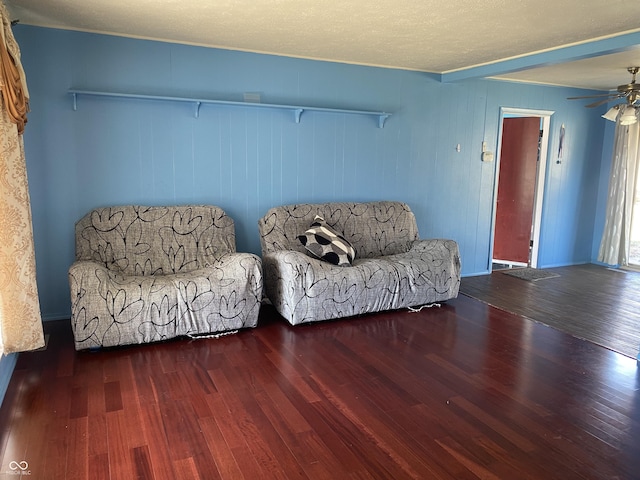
(545, 116)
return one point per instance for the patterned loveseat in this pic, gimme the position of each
(392, 268)
(144, 274)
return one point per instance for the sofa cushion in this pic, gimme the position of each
(325, 243)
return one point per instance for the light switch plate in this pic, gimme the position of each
(487, 156)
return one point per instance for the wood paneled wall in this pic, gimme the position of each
(247, 160)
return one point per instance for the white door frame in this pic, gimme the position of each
(545, 116)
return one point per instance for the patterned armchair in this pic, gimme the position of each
(392, 269)
(144, 274)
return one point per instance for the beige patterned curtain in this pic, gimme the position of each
(20, 322)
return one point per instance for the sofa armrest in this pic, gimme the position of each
(442, 257)
(101, 302)
(293, 279)
(440, 249)
(291, 263)
(233, 266)
(87, 276)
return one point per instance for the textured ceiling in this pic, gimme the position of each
(601, 73)
(426, 35)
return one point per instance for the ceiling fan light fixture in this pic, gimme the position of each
(612, 113)
(628, 116)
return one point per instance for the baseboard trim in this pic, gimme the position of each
(7, 365)
(52, 317)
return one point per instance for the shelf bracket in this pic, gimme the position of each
(382, 119)
(75, 102)
(298, 113)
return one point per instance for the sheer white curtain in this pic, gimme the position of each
(614, 247)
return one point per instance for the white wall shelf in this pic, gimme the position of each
(297, 110)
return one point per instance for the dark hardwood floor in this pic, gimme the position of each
(588, 301)
(465, 391)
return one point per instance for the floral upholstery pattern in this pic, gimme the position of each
(393, 268)
(144, 274)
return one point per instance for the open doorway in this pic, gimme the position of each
(519, 186)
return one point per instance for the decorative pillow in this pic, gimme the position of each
(325, 243)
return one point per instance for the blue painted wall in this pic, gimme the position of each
(247, 160)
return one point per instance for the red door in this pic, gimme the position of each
(516, 189)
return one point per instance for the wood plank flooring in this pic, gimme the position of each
(588, 301)
(464, 391)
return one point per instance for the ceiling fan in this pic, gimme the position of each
(629, 91)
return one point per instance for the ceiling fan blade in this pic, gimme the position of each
(598, 103)
(594, 96)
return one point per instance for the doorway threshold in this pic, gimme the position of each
(497, 264)
(630, 268)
